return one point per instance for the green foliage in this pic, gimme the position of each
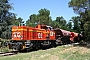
(7, 19)
(15, 21)
(69, 25)
(7, 33)
(87, 29)
(76, 23)
(55, 24)
(81, 7)
(61, 21)
(44, 17)
(32, 21)
(5, 15)
(78, 5)
(5, 6)
(4, 49)
(41, 18)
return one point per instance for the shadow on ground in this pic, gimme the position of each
(83, 44)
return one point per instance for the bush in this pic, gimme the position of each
(4, 49)
(6, 32)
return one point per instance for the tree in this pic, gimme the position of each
(55, 24)
(69, 25)
(13, 21)
(6, 19)
(81, 7)
(78, 5)
(62, 22)
(76, 23)
(20, 21)
(87, 29)
(41, 18)
(32, 21)
(5, 6)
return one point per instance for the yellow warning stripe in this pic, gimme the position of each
(38, 31)
(25, 30)
(31, 30)
(34, 31)
(19, 29)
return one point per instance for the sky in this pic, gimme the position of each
(24, 8)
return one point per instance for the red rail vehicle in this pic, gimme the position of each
(24, 37)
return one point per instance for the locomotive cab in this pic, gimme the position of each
(44, 27)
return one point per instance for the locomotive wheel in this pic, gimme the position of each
(59, 41)
(37, 46)
(45, 44)
(53, 44)
(18, 46)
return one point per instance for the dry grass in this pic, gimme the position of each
(58, 53)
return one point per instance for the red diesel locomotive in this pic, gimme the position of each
(24, 37)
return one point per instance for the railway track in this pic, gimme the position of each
(72, 44)
(8, 53)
